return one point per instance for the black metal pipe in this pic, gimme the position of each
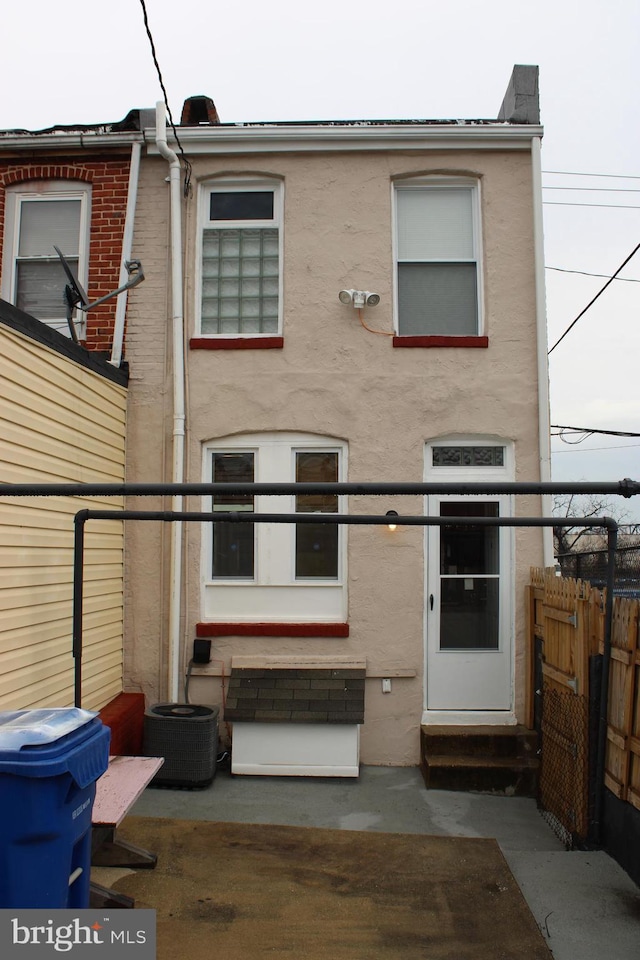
(624, 488)
(171, 516)
(601, 749)
(365, 519)
(349, 519)
(78, 586)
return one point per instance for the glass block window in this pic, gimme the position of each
(468, 456)
(437, 269)
(241, 263)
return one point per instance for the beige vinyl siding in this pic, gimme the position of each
(59, 422)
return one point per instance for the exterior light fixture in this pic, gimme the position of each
(359, 298)
(391, 514)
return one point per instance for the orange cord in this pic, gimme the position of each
(381, 333)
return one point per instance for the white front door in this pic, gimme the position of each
(468, 621)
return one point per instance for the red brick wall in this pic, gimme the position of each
(109, 180)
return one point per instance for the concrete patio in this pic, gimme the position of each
(586, 906)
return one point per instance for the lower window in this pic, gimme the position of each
(274, 571)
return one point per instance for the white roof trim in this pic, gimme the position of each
(359, 136)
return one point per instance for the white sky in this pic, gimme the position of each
(76, 61)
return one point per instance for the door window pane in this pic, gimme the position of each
(317, 544)
(468, 549)
(469, 578)
(233, 543)
(469, 613)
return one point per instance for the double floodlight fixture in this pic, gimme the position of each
(359, 298)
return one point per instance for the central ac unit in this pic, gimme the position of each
(186, 736)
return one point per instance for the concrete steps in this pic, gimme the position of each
(483, 759)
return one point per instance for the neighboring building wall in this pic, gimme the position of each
(109, 182)
(333, 378)
(61, 421)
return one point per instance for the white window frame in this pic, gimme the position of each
(274, 594)
(441, 183)
(46, 192)
(238, 185)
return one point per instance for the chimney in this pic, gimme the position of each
(197, 111)
(521, 103)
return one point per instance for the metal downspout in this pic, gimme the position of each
(127, 244)
(177, 324)
(544, 439)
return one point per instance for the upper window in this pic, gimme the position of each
(41, 216)
(241, 259)
(437, 259)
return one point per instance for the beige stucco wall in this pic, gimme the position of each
(334, 378)
(60, 422)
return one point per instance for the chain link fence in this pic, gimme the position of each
(563, 786)
(591, 565)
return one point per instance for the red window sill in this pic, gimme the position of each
(236, 343)
(272, 629)
(441, 341)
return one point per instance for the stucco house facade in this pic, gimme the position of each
(258, 354)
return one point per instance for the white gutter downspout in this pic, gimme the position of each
(177, 322)
(543, 359)
(127, 245)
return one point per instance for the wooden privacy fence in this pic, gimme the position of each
(566, 635)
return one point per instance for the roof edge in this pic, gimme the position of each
(38, 331)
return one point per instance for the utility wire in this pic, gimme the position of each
(610, 206)
(598, 294)
(610, 433)
(611, 176)
(598, 189)
(187, 165)
(584, 273)
(617, 446)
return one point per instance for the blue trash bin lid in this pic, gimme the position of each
(22, 728)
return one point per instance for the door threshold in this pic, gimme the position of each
(469, 717)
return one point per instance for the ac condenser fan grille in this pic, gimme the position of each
(186, 736)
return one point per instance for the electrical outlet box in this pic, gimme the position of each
(201, 650)
(386, 685)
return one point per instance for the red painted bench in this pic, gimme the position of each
(116, 792)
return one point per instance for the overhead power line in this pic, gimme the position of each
(598, 294)
(585, 273)
(597, 189)
(592, 430)
(610, 206)
(610, 176)
(187, 165)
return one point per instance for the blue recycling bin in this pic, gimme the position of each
(50, 760)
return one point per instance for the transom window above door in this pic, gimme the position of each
(437, 259)
(240, 288)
